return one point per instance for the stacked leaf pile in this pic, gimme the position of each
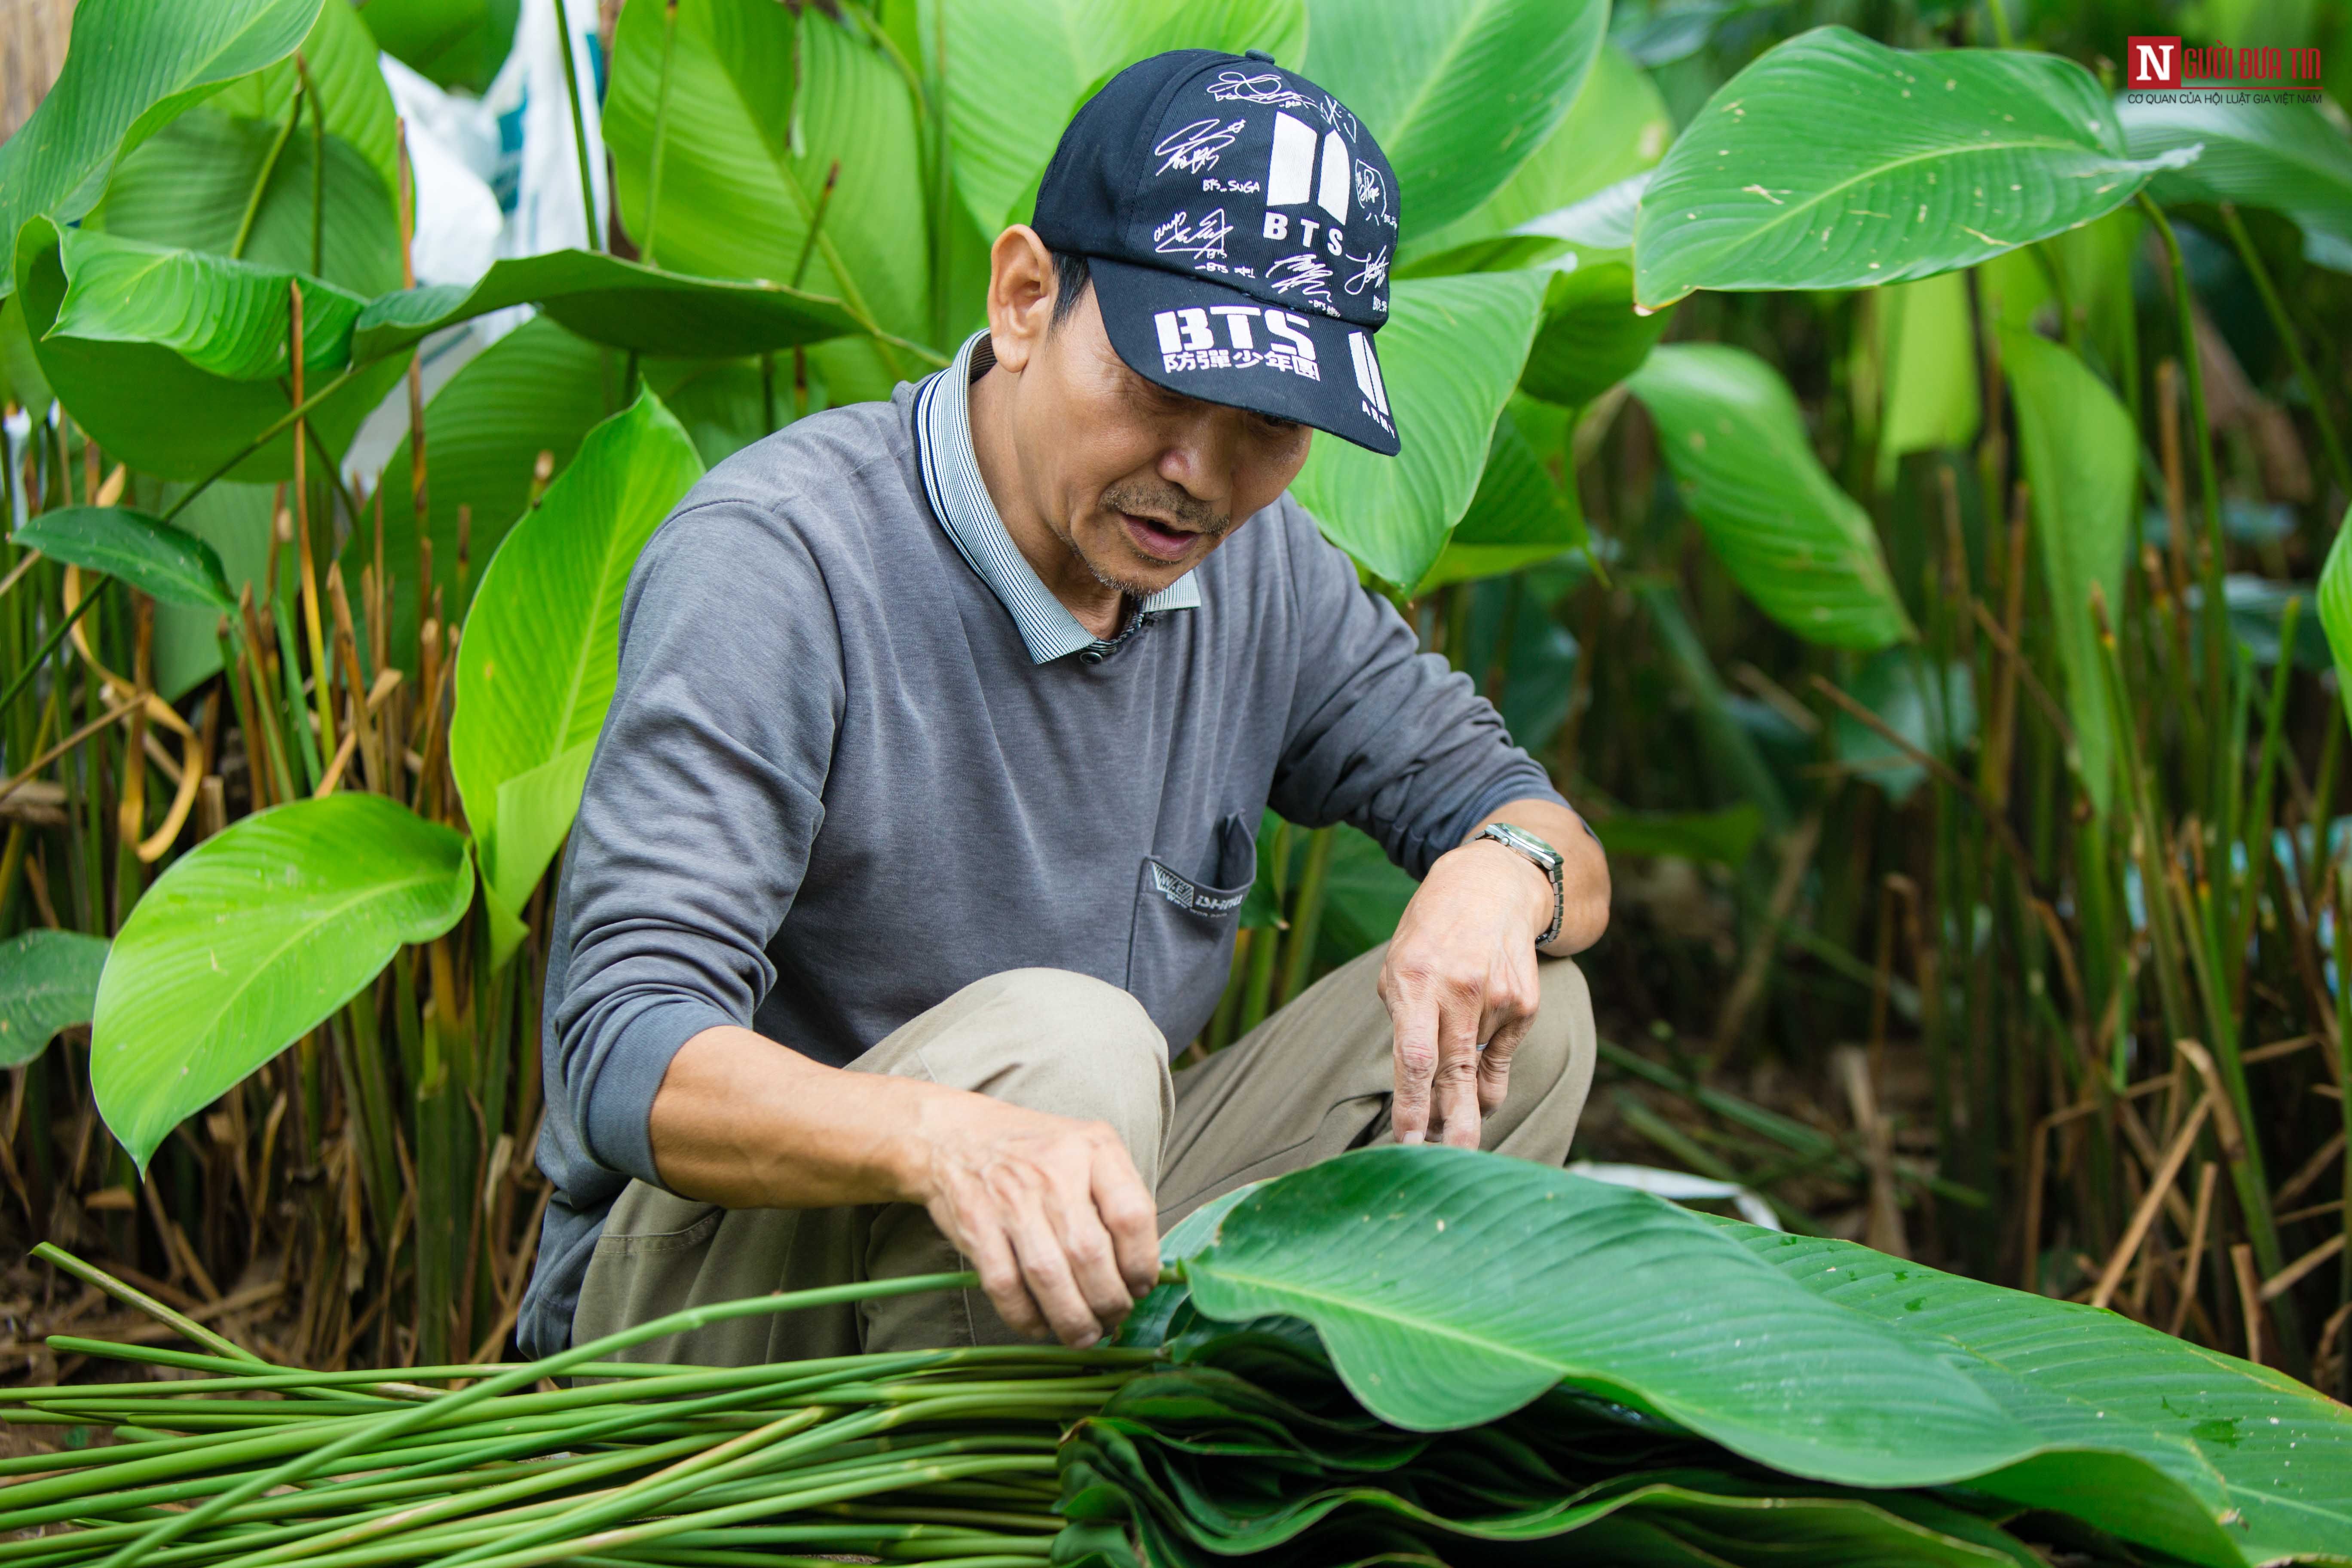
(1402, 1356)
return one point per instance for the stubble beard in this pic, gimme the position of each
(1198, 516)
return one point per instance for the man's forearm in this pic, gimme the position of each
(1584, 871)
(744, 1121)
(1049, 1210)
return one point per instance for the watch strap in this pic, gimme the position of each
(1546, 858)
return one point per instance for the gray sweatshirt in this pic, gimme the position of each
(855, 762)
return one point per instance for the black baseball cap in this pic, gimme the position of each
(1237, 222)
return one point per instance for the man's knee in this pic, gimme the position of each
(1551, 1071)
(1059, 1042)
(1063, 1011)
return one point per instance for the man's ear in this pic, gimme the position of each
(1021, 286)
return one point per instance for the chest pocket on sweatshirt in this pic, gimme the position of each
(1179, 947)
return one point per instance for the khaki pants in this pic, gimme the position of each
(1310, 1082)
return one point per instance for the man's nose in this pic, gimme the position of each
(1200, 460)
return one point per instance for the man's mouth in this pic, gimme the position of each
(1160, 541)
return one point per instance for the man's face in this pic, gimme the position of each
(1139, 482)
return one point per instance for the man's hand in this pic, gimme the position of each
(1049, 1210)
(1461, 969)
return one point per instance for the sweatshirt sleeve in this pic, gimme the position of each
(1381, 735)
(702, 803)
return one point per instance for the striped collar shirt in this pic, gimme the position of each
(959, 500)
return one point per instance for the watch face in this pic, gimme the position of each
(1526, 843)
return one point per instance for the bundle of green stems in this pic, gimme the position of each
(943, 1456)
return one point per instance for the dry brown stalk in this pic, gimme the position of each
(184, 1263)
(2313, 1169)
(2012, 658)
(2159, 1185)
(333, 778)
(2278, 1048)
(323, 682)
(68, 744)
(1998, 821)
(347, 657)
(2186, 1296)
(1884, 1229)
(30, 558)
(2288, 1277)
(1796, 854)
(2225, 1112)
(2250, 1298)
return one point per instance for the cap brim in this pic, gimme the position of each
(1220, 345)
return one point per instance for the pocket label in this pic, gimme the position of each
(1190, 897)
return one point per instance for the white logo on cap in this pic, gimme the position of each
(1187, 343)
(1368, 377)
(1291, 175)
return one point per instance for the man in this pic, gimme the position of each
(917, 836)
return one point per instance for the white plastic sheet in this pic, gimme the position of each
(497, 176)
(1679, 1185)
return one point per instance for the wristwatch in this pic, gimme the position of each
(1543, 854)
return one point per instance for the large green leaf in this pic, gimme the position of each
(452, 43)
(1233, 26)
(253, 937)
(1592, 337)
(194, 183)
(1060, 51)
(1836, 162)
(340, 56)
(172, 362)
(1458, 93)
(1618, 127)
(1928, 367)
(20, 369)
(762, 101)
(144, 552)
(536, 668)
(1519, 515)
(538, 389)
(620, 303)
(189, 185)
(2082, 461)
(1451, 1288)
(1598, 227)
(48, 981)
(727, 404)
(227, 319)
(2284, 156)
(2280, 1454)
(1449, 355)
(133, 65)
(1802, 548)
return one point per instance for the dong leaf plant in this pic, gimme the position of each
(254, 938)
